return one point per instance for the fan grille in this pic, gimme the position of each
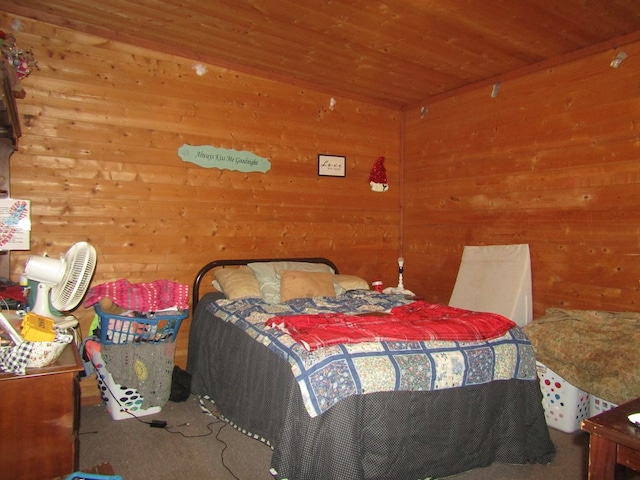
(81, 263)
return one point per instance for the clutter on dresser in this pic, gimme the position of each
(34, 348)
(39, 334)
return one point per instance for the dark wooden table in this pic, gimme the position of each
(613, 440)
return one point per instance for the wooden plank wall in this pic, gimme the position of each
(102, 123)
(553, 161)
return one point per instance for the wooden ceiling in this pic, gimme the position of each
(393, 52)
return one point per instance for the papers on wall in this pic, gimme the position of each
(15, 224)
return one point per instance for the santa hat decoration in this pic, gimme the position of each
(378, 176)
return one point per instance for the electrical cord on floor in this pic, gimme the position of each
(162, 424)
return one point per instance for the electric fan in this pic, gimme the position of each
(61, 282)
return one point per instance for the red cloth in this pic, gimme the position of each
(16, 292)
(141, 297)
(417, 321)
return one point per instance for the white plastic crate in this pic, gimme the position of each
(598, 406)
(121, 402)
(565, 406)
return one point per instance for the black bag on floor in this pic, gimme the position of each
(180, 385)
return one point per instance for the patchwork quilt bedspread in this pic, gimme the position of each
(330, 374)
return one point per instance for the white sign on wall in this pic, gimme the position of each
(15, 224)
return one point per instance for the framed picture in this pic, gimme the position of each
(332, 165)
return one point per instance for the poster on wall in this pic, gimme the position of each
(332, 165)
(213, 157)
(15, 224)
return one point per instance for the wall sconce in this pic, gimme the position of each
(615, 63)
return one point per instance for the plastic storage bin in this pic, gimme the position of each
(92, 476)
(117, 329)
(565, 406)
(598, 406)
(121, 402)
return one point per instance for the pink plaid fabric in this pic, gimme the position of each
(141, 297)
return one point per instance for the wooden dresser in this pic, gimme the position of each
(39, 416)
(613, 441)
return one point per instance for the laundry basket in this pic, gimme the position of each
(156, 328)
(565, 406)
(91, 476)
(121, 402)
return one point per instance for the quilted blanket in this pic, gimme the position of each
(596, 351)
(406, 323)
(330, 374)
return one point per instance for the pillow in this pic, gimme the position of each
(238, 282)
(296, 284)
(351, 282)
(268, 277)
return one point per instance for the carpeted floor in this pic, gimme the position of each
(197, 446)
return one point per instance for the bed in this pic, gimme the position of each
(411, 410)
(593, 350)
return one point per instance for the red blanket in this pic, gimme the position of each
(417, 321)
